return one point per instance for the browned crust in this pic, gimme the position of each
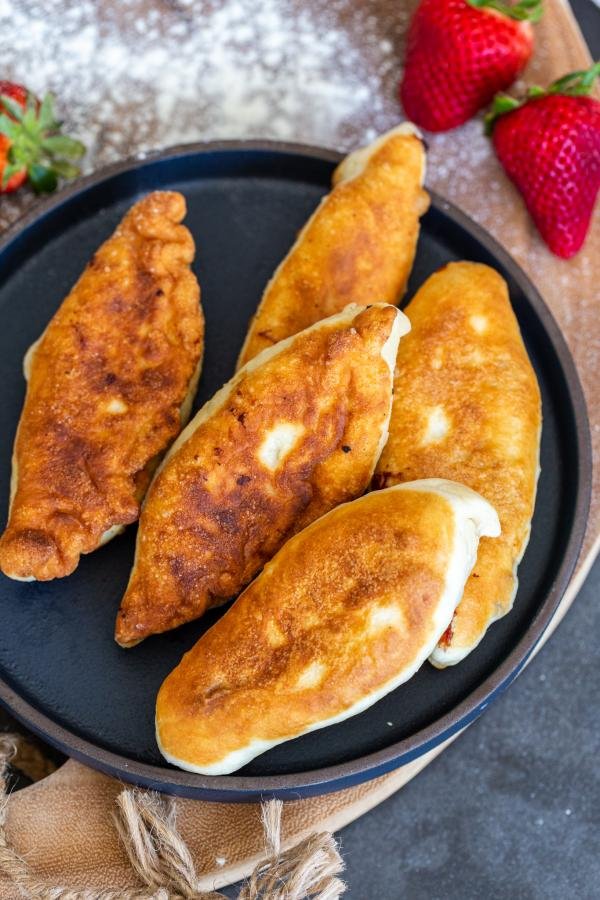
(300, 645)
(486, 387)
(216, 513)
(130, 334)
(358, 247)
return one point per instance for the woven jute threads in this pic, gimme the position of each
(146, 824)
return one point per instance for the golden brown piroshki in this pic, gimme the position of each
(358, 246)
(467, 407)
(347, 610)
(109, 383)
(294, 433)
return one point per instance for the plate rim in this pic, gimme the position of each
(235, 788)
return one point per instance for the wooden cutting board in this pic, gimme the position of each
(63, 824)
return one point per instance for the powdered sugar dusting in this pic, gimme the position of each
(150, 75)
(136, 75)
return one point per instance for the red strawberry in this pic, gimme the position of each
(17, 93)
(31, 144)
(460, 53)
(549, 145)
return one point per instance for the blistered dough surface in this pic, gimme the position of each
(105, 385)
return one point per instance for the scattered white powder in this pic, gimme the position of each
(137, 75)
(133, 76)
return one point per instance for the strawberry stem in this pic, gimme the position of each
(13, 108)
(501, 104)
(523, 11)
(36, 142)
(575, 84)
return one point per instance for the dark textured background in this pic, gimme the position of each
(512, 808)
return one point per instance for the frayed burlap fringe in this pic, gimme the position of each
(146, 825)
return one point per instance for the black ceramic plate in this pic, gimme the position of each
(61, 672)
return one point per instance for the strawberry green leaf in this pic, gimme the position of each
(8, 127)
(63, 146)
(12, 107)
(523, 11)
(36, 144)
(576, 84)
(30, 120)
(9, 170)
(46, 114)
(502, 104)
(65, 169)
(43, 180)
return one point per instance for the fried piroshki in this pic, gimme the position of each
(467, 407)
(357, 247)
(109, 384)
(348, 610)
(295, 432)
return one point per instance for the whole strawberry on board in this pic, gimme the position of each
(460, 53)
(32, 146)
(549, 145)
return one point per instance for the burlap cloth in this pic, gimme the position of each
(63, 824)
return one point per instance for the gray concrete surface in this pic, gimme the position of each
(511, 811)
(512, 808)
